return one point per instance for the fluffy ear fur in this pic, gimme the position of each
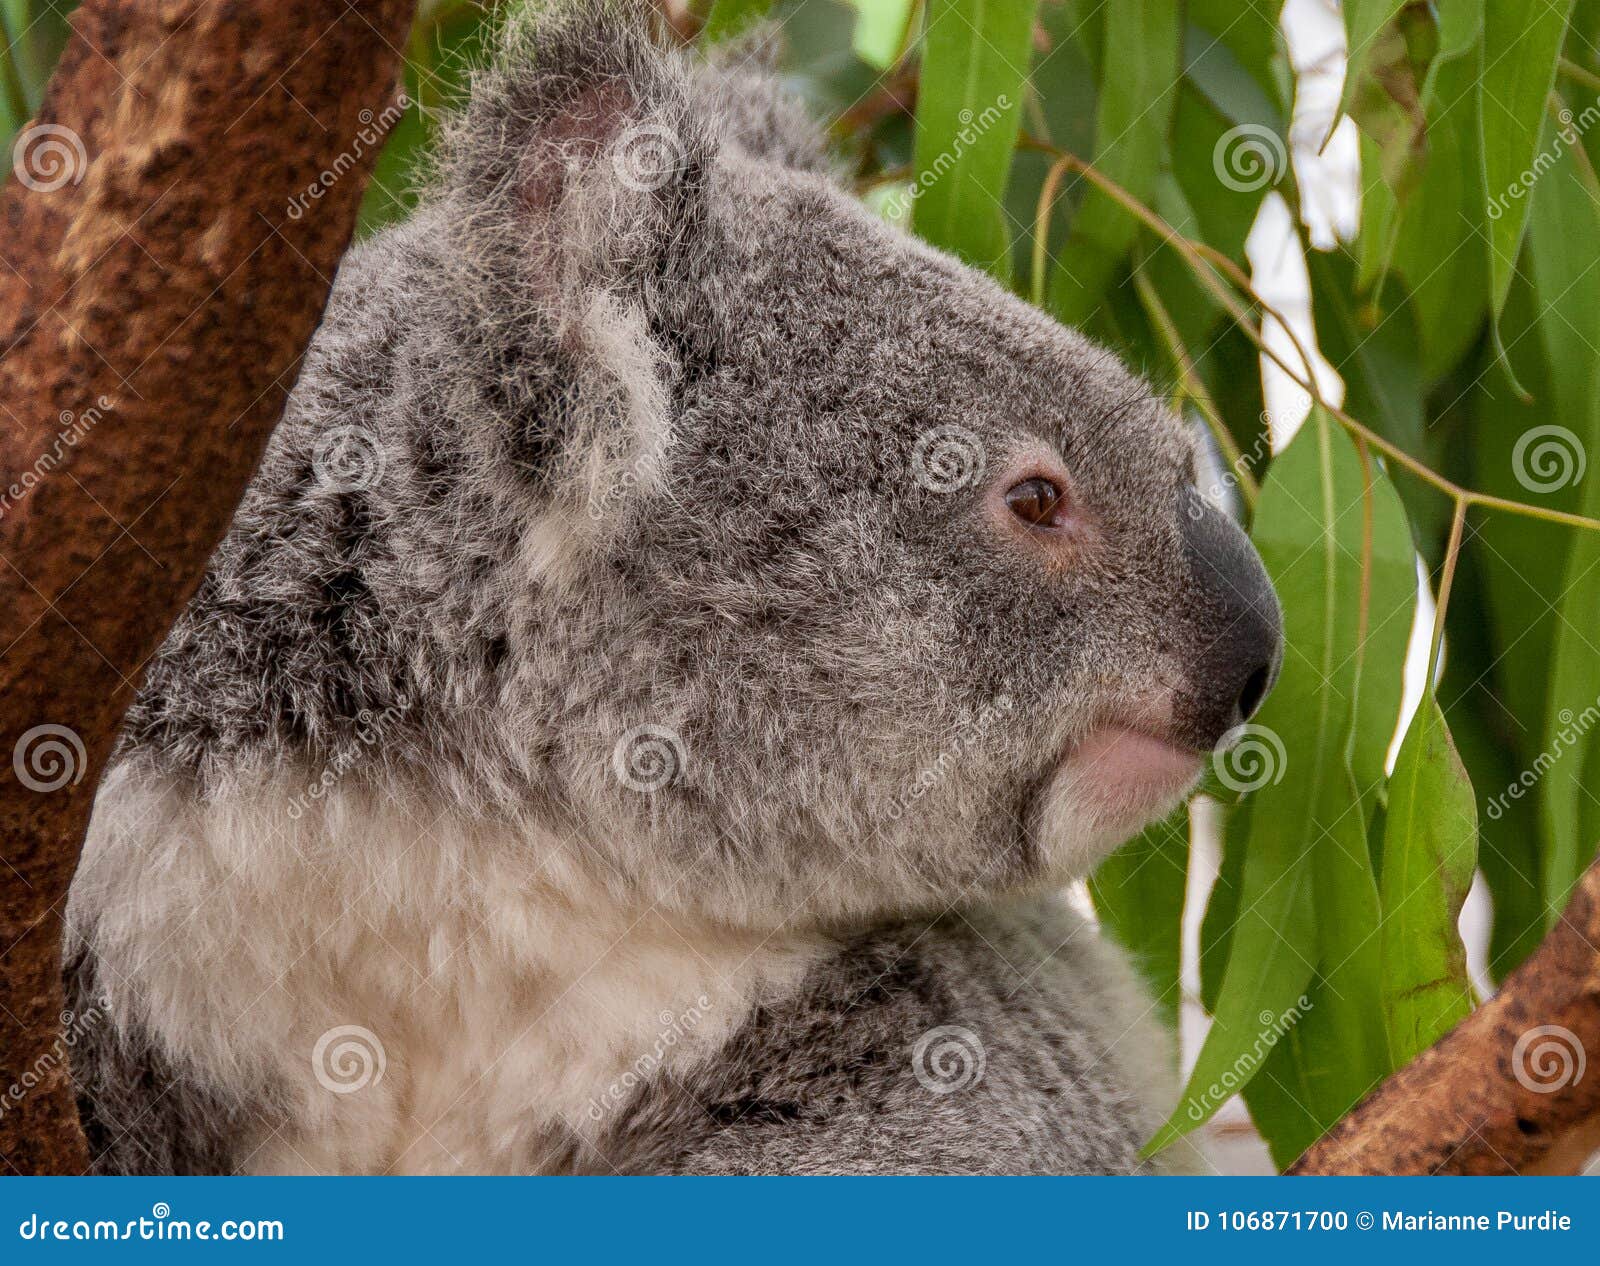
(582, 147)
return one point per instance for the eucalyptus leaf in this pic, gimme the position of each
(974, 73)
(1521, 44)
(1430, 849)
(1135, 112)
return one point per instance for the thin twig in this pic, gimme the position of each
(1194, 389)
(1206, 264)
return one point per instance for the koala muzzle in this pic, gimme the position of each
(1234, 642)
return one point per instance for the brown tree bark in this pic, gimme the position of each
(1514, 1088)
(159, 285)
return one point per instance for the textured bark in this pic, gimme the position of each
(1514, 1088)
(156, 296)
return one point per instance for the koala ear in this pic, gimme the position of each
(583, 141)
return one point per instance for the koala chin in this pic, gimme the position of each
(681, 638)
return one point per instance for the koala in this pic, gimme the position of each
(680, 645)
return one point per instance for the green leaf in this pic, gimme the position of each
(1136, 104)
(1138, 895)
(729, 18)
(1564, 445)
(1448, 278)
(1333, 537)
(1521, 44)
(974, 71)
(1430, 848)
(1365, 21)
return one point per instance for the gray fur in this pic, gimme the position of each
(647, 456)
(984, 1042)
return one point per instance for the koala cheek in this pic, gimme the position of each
(1113, 784)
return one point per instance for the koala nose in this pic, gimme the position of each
(1235, 638)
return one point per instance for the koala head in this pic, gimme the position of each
(824, 577)
(851, 581)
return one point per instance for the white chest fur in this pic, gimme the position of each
(414, 994)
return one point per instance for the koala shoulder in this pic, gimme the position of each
(1007, 1041)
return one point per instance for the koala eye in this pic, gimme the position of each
(1035, 502)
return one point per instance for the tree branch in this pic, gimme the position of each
(159, 285)
(1514, 1088)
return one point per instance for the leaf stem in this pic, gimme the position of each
(1207, 264)
(1447, 576)
(1194, 389)
(1579, 74)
